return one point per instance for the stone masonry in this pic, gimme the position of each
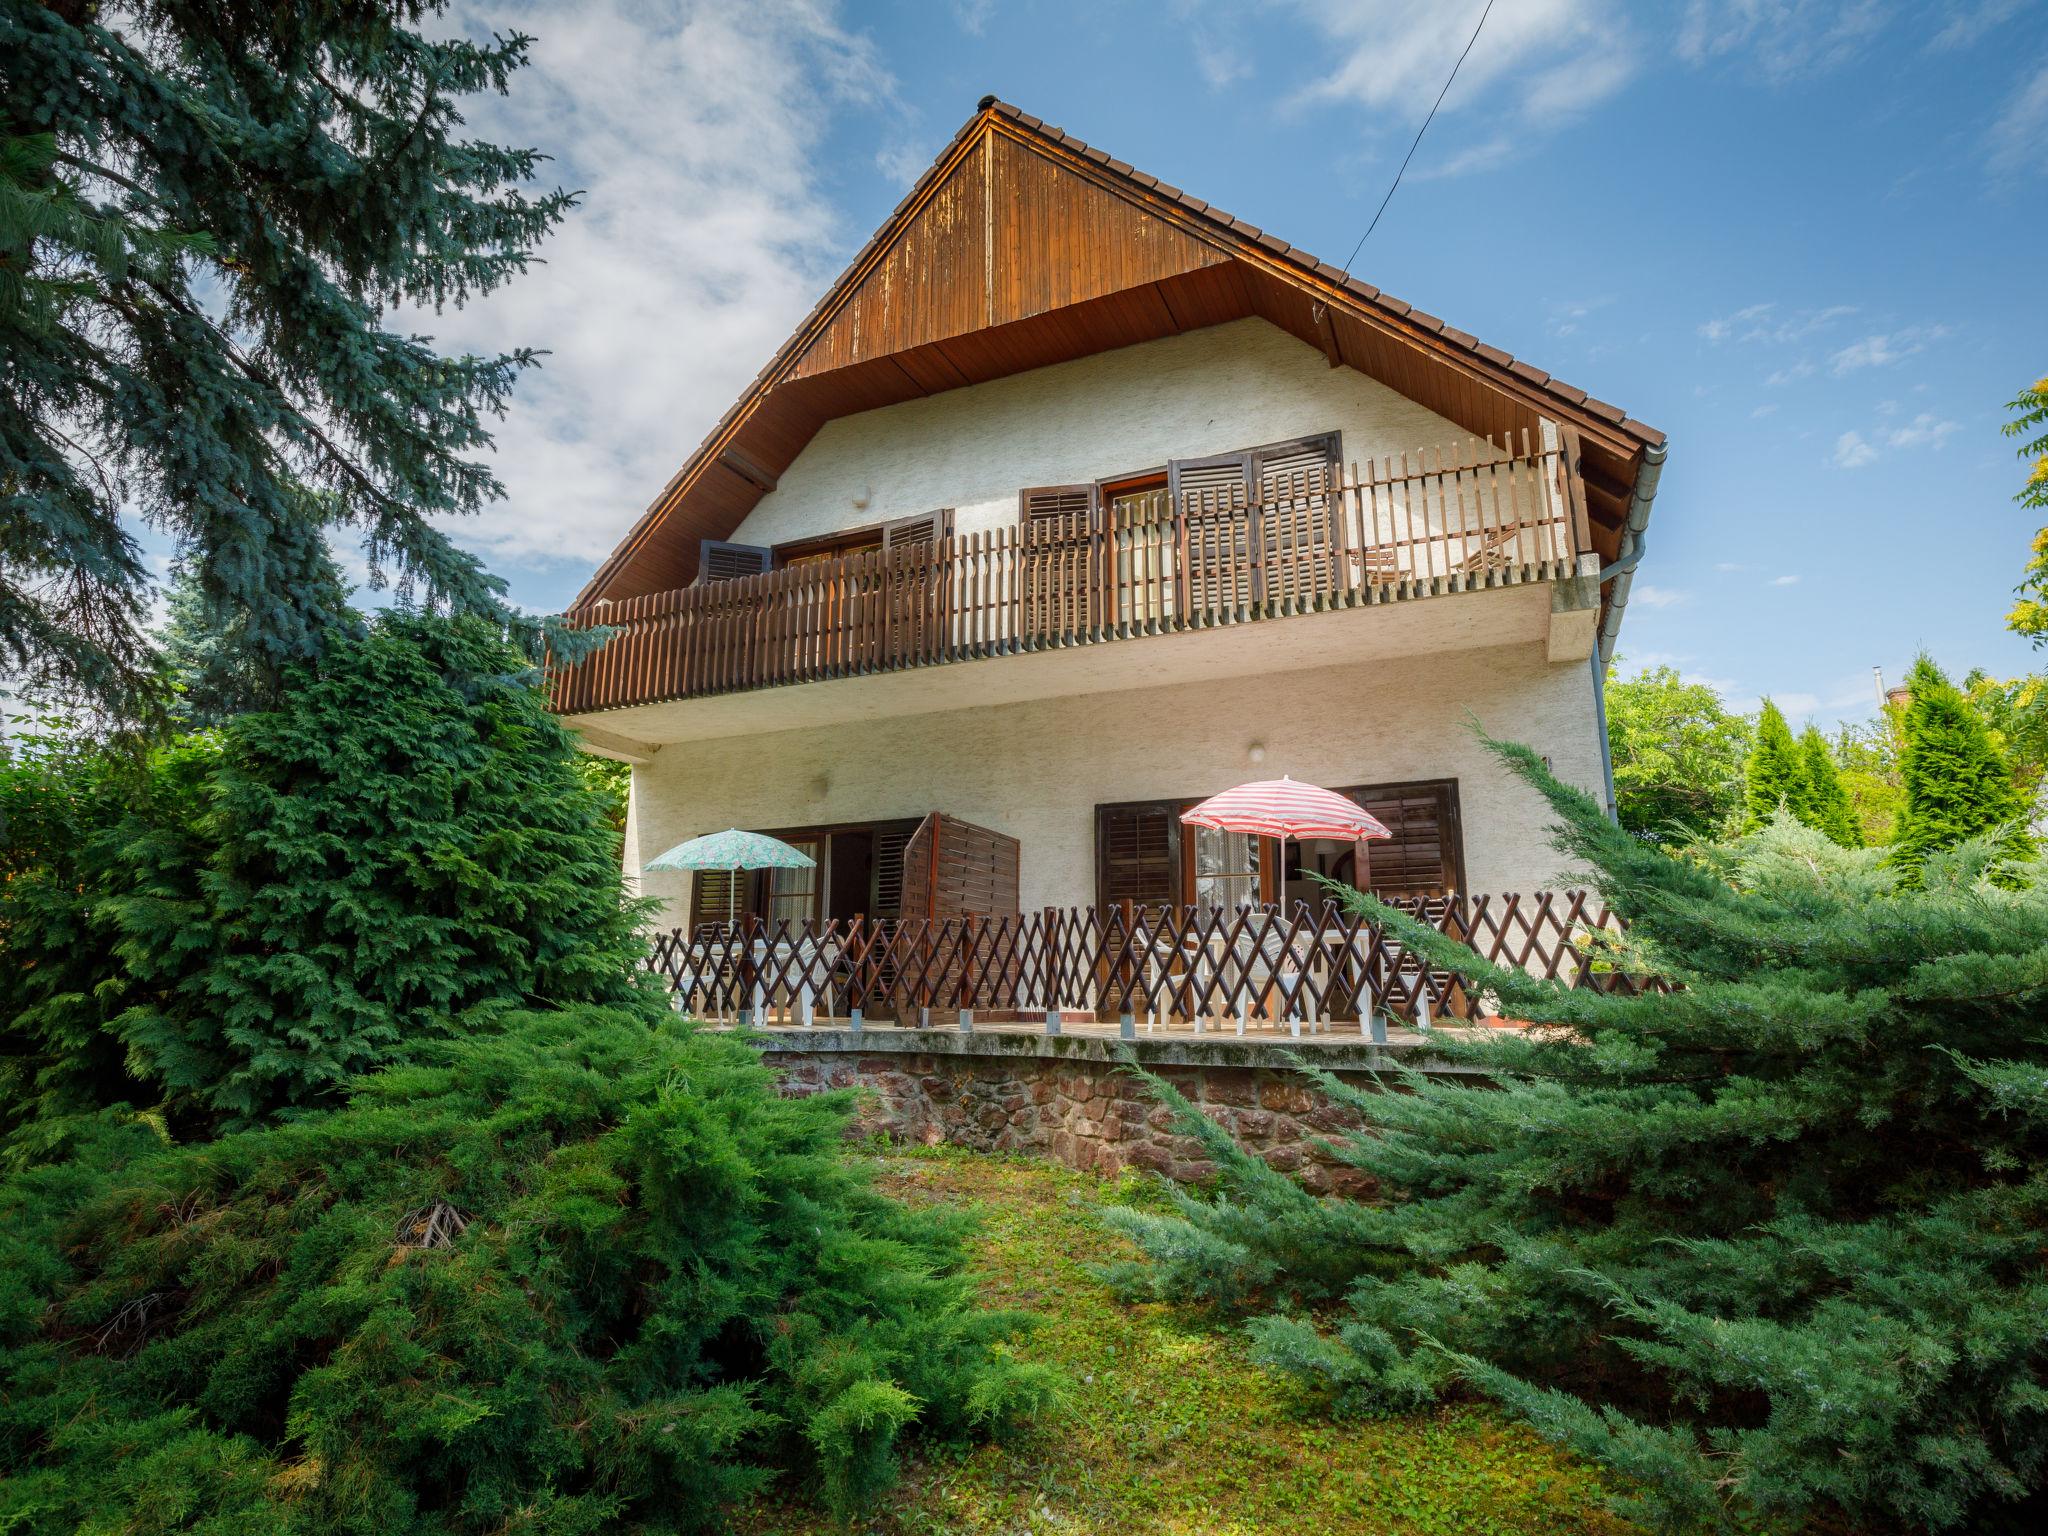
(1072, 1098)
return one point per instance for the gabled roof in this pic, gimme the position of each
(1021, 247)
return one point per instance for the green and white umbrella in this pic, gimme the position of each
(733, 851)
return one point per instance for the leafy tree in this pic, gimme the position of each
(254, 916)
(1769, 1245)
(1827, 802)
(1957, 783)
(613, 781)
(206, 212)
(568, 1274)
(2016, 711)
(1775, 774)
(1677, 754)
(1867, 763)
(2029, 615)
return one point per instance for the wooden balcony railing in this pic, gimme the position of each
(1478, 514)
(1171, 967)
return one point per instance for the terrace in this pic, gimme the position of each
(1305, 973)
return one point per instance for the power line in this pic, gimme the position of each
(1440, 95)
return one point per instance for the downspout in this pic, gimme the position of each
(1599, 676)
(1633, 544)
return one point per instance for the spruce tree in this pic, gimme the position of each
(1958, 784)
(252, 916)
(1827, 802)
(1775, 774)
(206, 214)
(1768, 1245)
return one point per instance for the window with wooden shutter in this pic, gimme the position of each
(1137, 853)
(1291, 484)
(1212, 496)
(718, 560)
(1426, 854)
(720, 895)
(917, 581)
(1298, 510)
(1057, 574)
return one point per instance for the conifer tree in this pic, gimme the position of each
(568, 1274)
(1827, 802)
(1769, 1245)
(1958, 784)
(252, 916)
(206, 212)
(1775, 774)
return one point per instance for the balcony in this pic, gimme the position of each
(1421, 525)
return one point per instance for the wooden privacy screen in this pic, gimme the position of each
(952, 868)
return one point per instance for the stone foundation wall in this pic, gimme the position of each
(1070, 1099)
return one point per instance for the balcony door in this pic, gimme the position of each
(1261, 525)
(882, 594)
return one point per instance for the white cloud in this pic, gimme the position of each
(1220, 60)
(1852, 452)
(1566, 315)
(1784, 581)
(1730, 565)
(1768, 408)
(1882, 351)
(973, 15)
(902, 164)
(1968, 23)
(1763, 323)
(1658, 597)
(1779, 377)
(1923, 431)
(2019, 138)
(1782, 39)
(705, 234)
(1536, 63)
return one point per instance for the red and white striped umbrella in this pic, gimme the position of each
(1283, 808)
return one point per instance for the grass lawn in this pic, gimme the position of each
(1171, 1429)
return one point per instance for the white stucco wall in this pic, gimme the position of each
(1036, 770)
(1211, 391)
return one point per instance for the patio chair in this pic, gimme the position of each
(1496, 547)
(1374, 566)
(1263, 960)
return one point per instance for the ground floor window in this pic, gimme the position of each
(1145, 856)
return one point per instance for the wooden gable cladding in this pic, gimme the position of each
(1006, 234)
(1022, 247)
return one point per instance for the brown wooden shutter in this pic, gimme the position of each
(917, 581)
(1137, 854)
(1212, 495)
(719, 561)
(891, 839)
(925, 528)
(1297, 523)
(716, 894)
(1057, 534)
(1426, 854)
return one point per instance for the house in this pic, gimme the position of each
(1076, 500)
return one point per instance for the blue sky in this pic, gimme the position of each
(1806, 240)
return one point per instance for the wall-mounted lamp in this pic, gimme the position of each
(1256, 752)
